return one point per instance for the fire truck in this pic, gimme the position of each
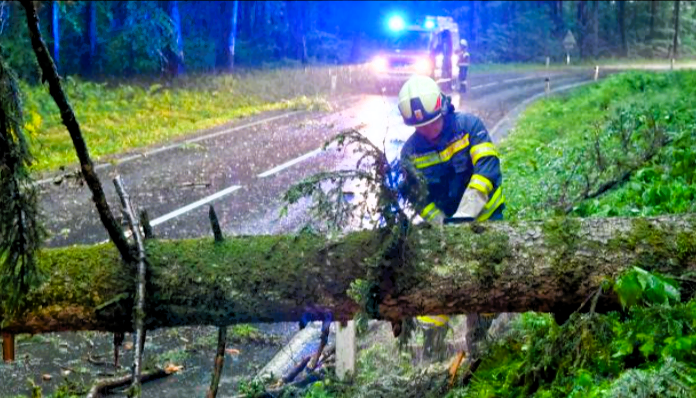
(429, 48)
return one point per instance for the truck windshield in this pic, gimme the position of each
(410, 40)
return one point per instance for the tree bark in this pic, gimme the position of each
(675, 41)
(55, 32)
(653, 12)
(595, 29)
(550, 266)
(621, 19)
(50, 74)
(90, 37)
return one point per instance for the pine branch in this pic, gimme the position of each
(21, 233)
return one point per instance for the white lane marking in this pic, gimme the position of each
(494, 131)
(485, 85)
(520, 79)
(198, 203)
(289, 163)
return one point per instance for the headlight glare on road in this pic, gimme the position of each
(379, 64)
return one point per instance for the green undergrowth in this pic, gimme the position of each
(116, 118)
(648, 350)
(635, 128)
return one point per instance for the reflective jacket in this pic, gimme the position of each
(462, 157)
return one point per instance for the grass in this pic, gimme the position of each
(562, 143)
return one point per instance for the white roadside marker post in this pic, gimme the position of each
(596, 72)
(345, 351)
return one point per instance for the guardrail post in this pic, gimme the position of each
(547, 86)
(548, 62)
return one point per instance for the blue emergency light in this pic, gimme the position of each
(396, 23)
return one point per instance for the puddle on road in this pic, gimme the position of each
(79, 358)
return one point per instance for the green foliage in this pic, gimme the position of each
(635, 124)
(21, 233)
(640, 285)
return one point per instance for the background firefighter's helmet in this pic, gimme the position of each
(420, 101)
(463, 43)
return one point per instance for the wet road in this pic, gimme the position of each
(243, 169)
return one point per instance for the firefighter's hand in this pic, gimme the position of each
(438, 220)
(471, 205)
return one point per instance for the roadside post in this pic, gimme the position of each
(596, 72)
(8, 347)
(548, 62)
(569, 43)
(345, 350)
(547, 86)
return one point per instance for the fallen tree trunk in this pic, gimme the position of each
(549, 266)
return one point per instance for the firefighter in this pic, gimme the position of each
(454, 154)
(463, 62)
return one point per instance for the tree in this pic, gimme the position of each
(233, 33)
(90, 39)
(175, 56)
(55, 32)
(296, 11)
(675, 41)
(621, 20)
(550, 266)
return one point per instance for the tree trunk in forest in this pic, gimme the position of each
(296, 11)
(175, 57)
(653, 12)
(55, 32)
(473, 5)
(233, 34)
(675, 41)
(621, 19)
(595, 28)
(547, 266)
(89, 38)
(582, 25)
(260, 19)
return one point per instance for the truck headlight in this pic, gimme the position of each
(423, 66)
(379, 64)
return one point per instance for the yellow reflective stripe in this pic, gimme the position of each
(445, 155)
(433, 320)
(428, 160)
(482, 150)
(496, 200)
(430, 212)
(454, 147)
(481, 183)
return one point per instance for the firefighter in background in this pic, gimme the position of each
(453, 152)
(463, 61)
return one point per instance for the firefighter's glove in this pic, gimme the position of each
(438, 219)
(471, 205)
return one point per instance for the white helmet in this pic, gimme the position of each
(420, 101)
(463, 43)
